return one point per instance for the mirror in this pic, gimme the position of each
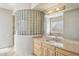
(56, 26)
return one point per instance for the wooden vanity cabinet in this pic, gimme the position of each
(48, 50)
(41, 48)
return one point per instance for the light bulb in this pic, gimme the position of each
(50, 11)
(57, 9)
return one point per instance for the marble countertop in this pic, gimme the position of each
(71, 45)
(67, 44)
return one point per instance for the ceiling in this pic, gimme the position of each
(37, 6)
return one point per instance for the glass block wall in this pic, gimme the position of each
(29, 22)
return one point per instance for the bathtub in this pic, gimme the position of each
(23, 45)
(7, 51)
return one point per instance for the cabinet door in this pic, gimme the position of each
(51, 52)
(62, 52)
(44, 51)
(48, 50)
(37, 52)
(59, 54)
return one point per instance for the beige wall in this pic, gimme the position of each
(71, 24)
(6, 28)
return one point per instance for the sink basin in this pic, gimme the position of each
(54, 38)
(57, 41)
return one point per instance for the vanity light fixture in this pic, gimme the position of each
(57, 9)
(50, 11)
(60, 8)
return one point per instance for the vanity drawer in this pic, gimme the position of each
(37, 42)
(49, 46)
(37, 46)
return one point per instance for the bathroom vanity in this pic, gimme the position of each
(45, 48)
